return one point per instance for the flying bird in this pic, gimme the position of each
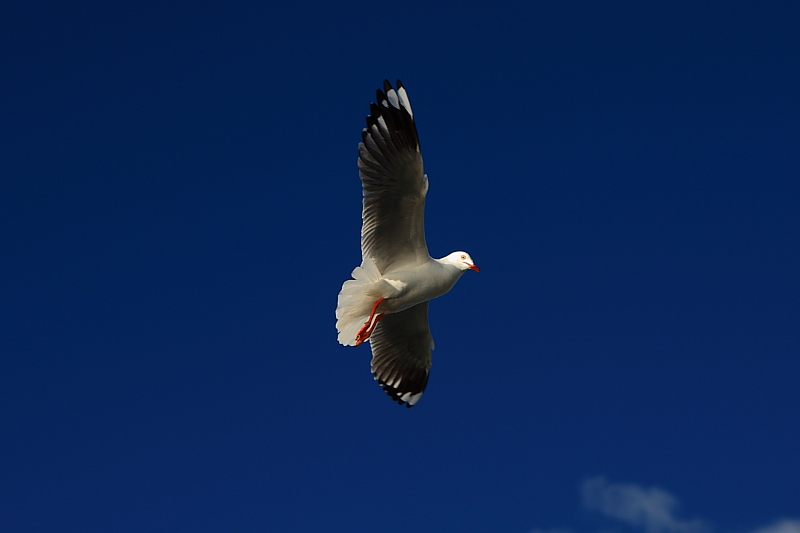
(386, 302)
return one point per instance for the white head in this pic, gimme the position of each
(460, 260)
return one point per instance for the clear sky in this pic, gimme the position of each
(180, 204)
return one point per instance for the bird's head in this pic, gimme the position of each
(462, 261)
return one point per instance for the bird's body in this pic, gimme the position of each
(387, 301)
(420, 283)
(401, 289)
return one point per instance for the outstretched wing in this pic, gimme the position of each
(393, 181)
(401, 353)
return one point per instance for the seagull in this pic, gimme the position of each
(386, 302)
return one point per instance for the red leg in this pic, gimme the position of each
(368, 327)
(374, 323)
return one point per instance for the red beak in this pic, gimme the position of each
(474, 267)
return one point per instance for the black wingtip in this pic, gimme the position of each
(394, 395)
(414, 382)
(399, 122)
(387, 86)
(374, 111)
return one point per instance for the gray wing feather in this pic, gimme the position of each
(394, 184)
(401, 353)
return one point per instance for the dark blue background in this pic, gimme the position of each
(180, 205)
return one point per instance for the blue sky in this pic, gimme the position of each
(181, 204)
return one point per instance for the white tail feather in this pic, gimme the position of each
(355, 301)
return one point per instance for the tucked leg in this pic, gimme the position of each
(372, 327)
(369, 326)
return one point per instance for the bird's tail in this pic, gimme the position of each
(355, 301)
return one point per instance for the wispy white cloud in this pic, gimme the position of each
(781, 526)
(652, 509)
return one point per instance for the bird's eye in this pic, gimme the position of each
(463, 257)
